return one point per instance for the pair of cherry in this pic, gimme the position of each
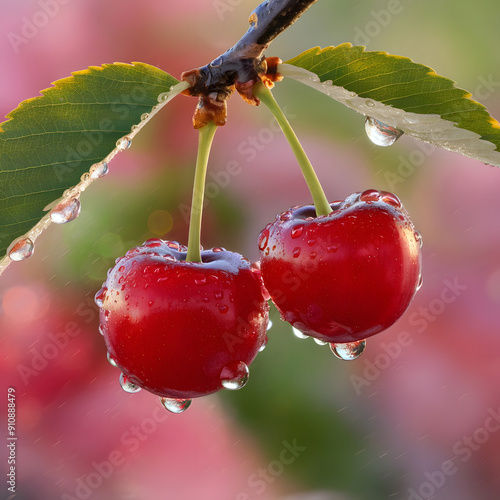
(183, 329)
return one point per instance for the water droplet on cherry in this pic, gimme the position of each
(297, 231)
(348, 350)
(175, 405)
(420, 282)
(112, 362)
(127, 385)
(380, 133)
(263, 239)
(20, 249)
(100, 296)
(234, 375)
(296, 252)
(319, 342)
(298, 333)
(66, 211)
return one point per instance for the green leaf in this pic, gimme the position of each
(405, 95)
(50, 141)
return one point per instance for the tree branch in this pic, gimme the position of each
(243, 62)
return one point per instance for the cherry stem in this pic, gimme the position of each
(318, 195)
(206, 135)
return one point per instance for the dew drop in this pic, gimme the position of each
(100, 296)
(85, 177)
(391, 199)
(380, 133)
(370, 103)
(101, 330)
(66, 211)
(264, 344)
(223, 309)
(162, 97)
(144, 116)
(349, 350)
(296, 252)
(420, 282)
(99, 170)
(297, 231)
(418, 238)
(234, 375)
(263, 239)
(269, 325)
(175, 405)
(21, 249)
(123, 143)
(112, 362)
(200, 279)
(319, 341)
(370, 195)
(128, 386)
(332, 248)
(218, 295)
(313, 255)
(298, 333)
(218, 249)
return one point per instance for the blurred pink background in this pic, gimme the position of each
(385, 426)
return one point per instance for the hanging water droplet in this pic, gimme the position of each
(418, 238)
(175, 405)
(319, 342)
(101, 330)
(21, 249)
(420, 282)
(128, 386)
(123, 143)
(380, 133)
(234, 375)
(112, 362)
(297, 231)
(99, 170)
(349, 350)
(263, 346)
(269, 325)
(298, 333)
(66, 211)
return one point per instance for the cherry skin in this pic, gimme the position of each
(345, 276)
(181, 329)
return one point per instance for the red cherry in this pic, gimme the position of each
(345, 276)
(182, 329)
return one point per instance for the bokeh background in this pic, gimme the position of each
(383, 427)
